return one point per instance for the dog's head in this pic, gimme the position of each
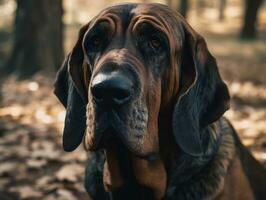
(130, 64)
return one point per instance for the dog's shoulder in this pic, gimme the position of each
(229, 173)
(246, 177)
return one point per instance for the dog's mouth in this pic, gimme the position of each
(103, 130)
(109, 137)
(112, 127)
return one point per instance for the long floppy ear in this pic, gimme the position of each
(204, 97)
(70, 89)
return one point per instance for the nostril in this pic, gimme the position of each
(120, 95)
(97, 93)
(114, 88)
(110, 94)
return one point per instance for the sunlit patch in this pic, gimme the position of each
(43, 117)
(33, 86)
(14, 111)
(260, 155)
(61, 116)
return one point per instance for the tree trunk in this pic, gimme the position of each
(200, 6)
(221, 7)
(38, 44)
(251, 11)
(183, 8)
(169, 3)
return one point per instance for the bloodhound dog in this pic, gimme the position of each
(144, 94)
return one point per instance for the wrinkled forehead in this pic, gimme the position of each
(132, 14)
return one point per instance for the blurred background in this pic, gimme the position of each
(34, 38)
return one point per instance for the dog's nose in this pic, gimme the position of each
(111, 88)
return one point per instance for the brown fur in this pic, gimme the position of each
(236, 185)
(171, 140)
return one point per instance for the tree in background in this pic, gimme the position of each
(250, 19)
(181, 6)
(221, 8)
(38, 42)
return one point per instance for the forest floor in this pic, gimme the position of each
(33, 164)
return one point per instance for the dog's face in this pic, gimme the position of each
(128, 53)
(130, 63)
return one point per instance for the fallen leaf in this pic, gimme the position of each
(65, 195)
(7, 168)
(43, 181)
(36, 163)
(26, 192)
(70, 172)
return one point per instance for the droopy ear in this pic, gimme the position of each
(71, 91)
(203, 98)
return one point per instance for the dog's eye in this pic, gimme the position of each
(155, 42)
(96, 41)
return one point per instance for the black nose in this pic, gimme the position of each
(111, 88)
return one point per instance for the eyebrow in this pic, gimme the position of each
(149, 19)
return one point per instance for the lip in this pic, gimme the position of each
(111, 129)
(107, 138)
(106, 130)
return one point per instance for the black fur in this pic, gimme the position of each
(203, 101)
(72, 95)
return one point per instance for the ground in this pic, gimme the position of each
(33, 163)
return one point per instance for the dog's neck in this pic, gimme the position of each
(203, 177)
(125, 171)
(187, 175)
